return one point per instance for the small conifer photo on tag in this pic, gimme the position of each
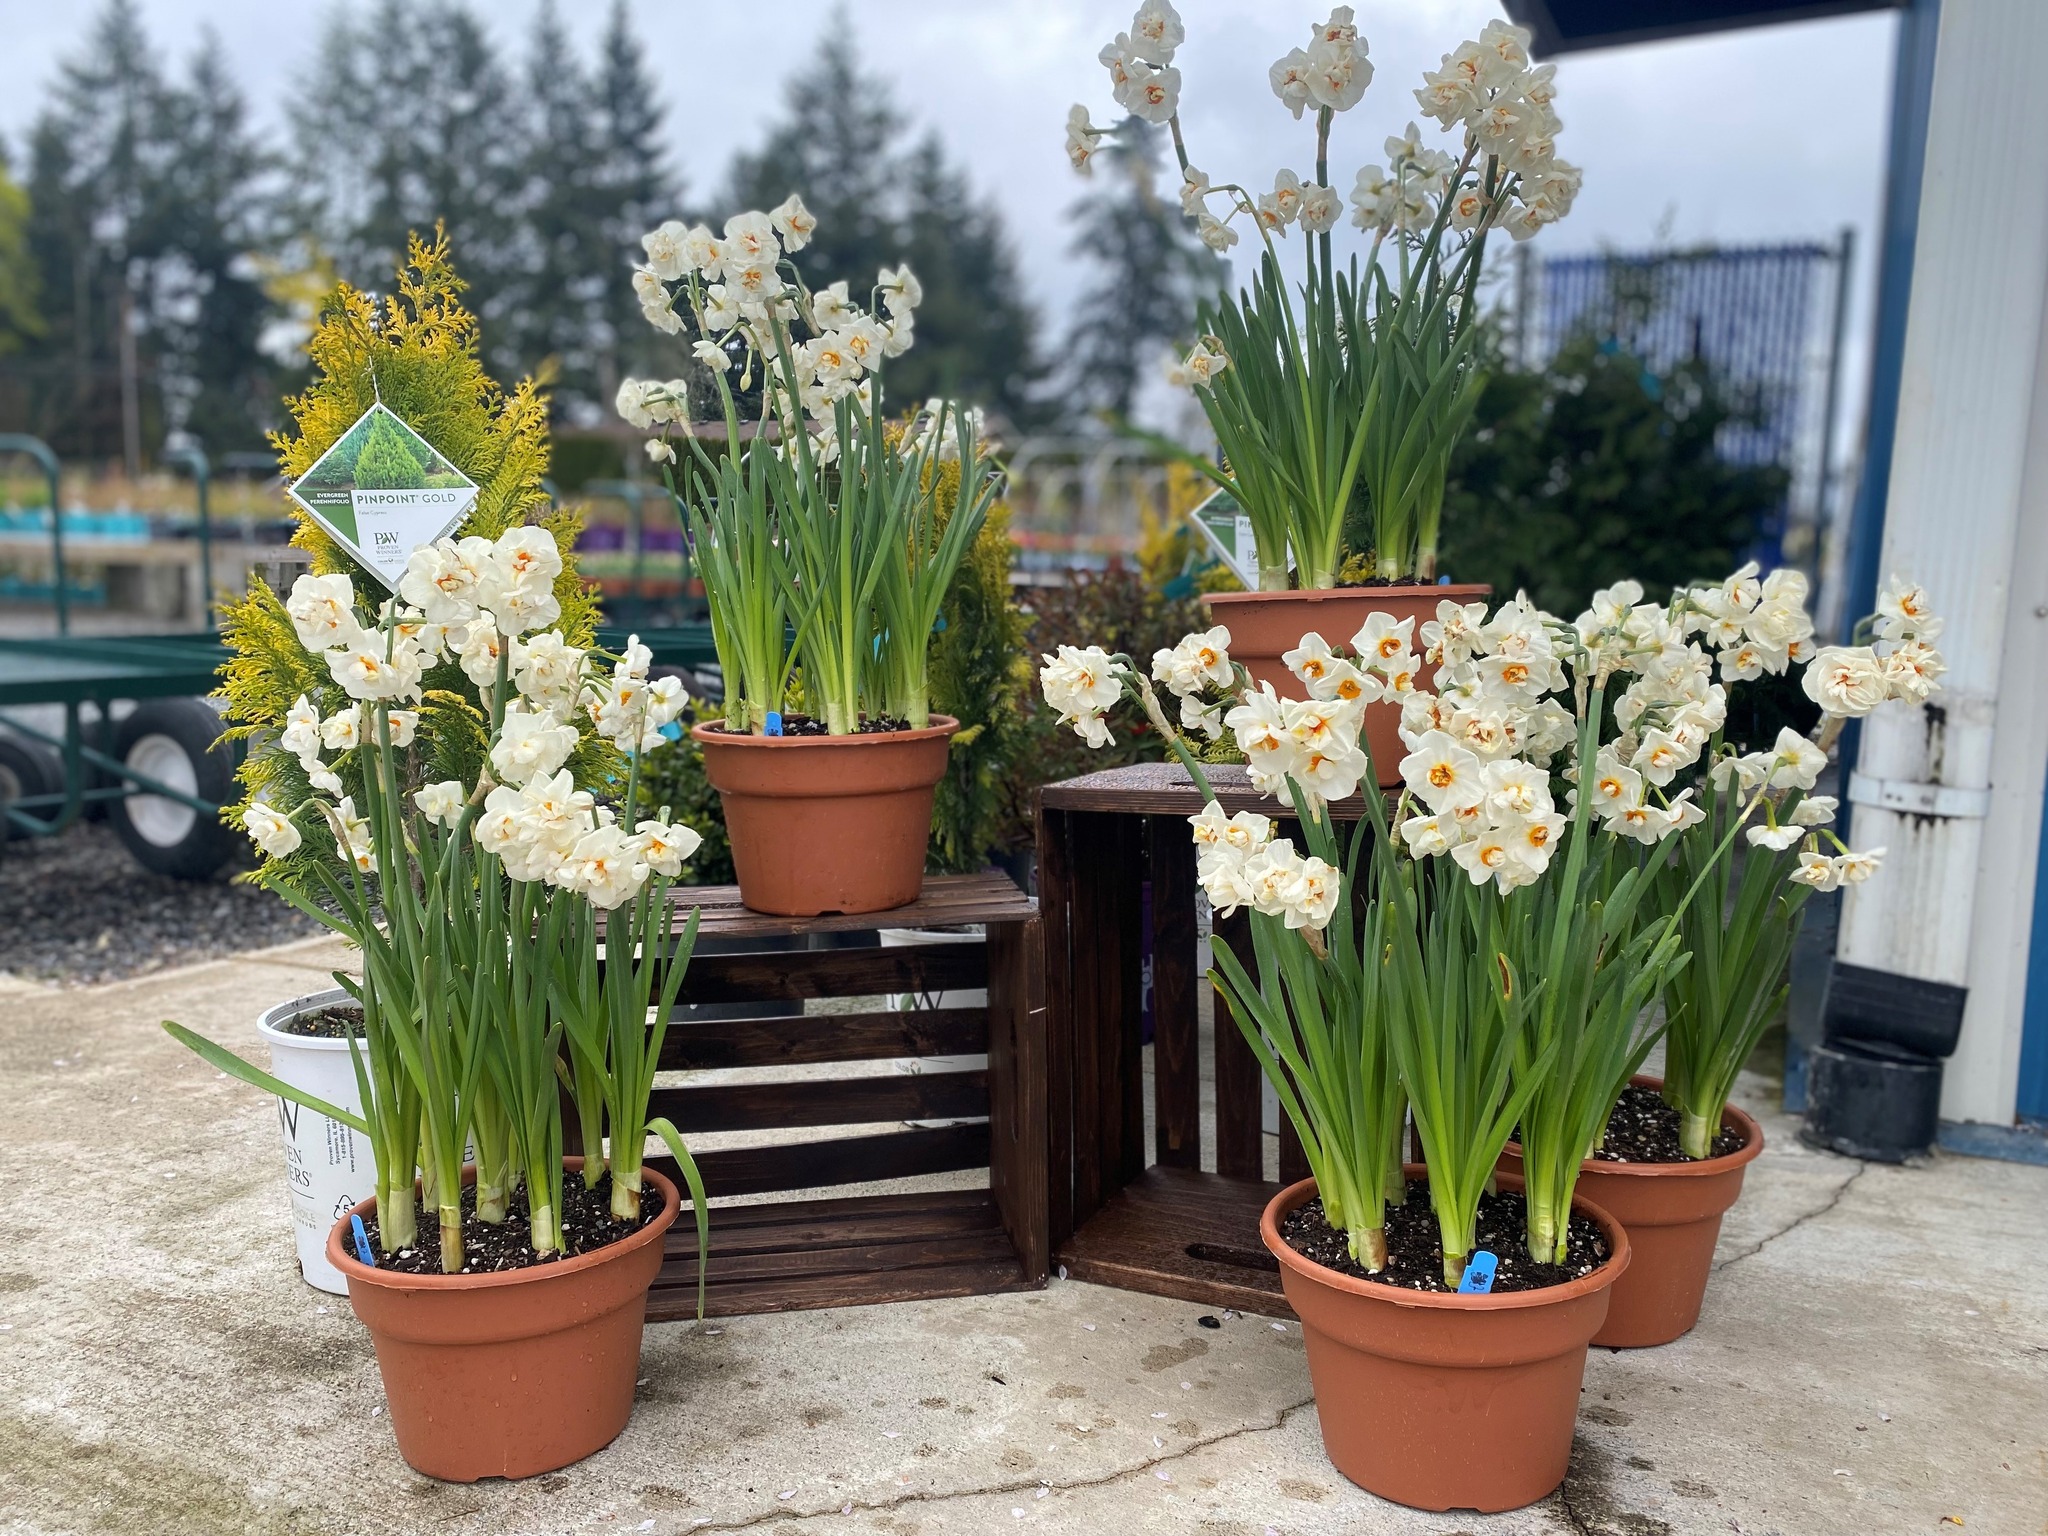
(382, 490)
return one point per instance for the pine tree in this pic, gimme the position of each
(880, 203)
(407, 118)
(565, 257)
(639, 191)
(20, 319)
(142, 199)
(1150, 271)
(386, 462)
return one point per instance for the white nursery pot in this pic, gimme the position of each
(328, 1166)
(963, 997)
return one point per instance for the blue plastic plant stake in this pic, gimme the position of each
(1478, 1277)
(362, 1240)
(773, 726)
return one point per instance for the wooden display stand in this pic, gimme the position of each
(1149, 1219)
(792, 1254)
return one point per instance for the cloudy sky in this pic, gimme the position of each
(1766, 135)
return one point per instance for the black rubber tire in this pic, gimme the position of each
(27, 768)
(167, 844)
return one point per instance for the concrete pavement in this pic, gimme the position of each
(163, 1370)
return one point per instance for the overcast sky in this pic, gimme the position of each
(1765, 135)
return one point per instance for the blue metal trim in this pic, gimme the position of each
(1912, 92)
(2032, 1098)
(2006, 1143)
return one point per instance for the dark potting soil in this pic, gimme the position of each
(804, 725)
(489, 1247)
(336, 1022)
(1415, 1255)
(1644, 1129)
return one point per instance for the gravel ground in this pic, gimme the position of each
(76, 909)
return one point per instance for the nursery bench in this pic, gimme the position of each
(830, 1252)
(1152, 1218)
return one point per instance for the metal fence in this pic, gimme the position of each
(1766, 320)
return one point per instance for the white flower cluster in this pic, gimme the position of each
(1505, 106)
(1141, 73)
(1852, 680)
(1332, 71)
(1483, 744)
(471, 601)
(1405, 194)
(736, 288)
(1241, 864)
(1081, 685)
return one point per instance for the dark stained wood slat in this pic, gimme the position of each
(841, 1252)
(1293, 1160)
(800, 1041)
(990, 1244)
(1238, 1148)
(832, 1101)
(845, 1221)
(948, 900)
(1164, 789)
(848, 1160)
(1017, 1112)
(679, 1303)
(1124, 1131)
(807, 973)
(1190, 1235)
(1176, 1024)
(1055, 886)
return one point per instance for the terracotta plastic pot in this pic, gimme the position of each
(827, 823)
(515, 1374)
(1264, 626)
(1442, 1401)
(1672, 1212)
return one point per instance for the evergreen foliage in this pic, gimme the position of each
(879, 203)
(387, 462)
(1151, 270)
(1596, 468)
(144, 193)
(981, 677)
(418, 352)
(408, 117)
(20, 321)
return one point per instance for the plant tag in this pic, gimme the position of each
(1478, 1277)
(1227, 530)
(382, 491)
(773, 725)
(362, 1239)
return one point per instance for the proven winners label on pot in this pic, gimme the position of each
(383, 491)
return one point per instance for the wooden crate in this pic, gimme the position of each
(788, 1254)
(1148, 1218)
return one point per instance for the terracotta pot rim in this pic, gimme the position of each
(1295, 1195)
(1328, 594)
(941, 726)
(1700, 1168)
(340, 1253)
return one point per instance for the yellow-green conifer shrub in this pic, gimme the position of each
(416, 350)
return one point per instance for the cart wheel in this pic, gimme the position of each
(27, 768)
(172, 741)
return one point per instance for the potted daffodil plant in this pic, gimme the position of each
(826, 547)
(1670, 1161)
(1481, 958)
(442, 775)
(1338, 380)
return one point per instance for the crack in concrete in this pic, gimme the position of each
(1797, 1222)
(798, 1517)
(1571, 1514)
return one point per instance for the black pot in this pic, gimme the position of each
(1873, 1101)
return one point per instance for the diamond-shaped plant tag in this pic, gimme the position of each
(382, 490)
